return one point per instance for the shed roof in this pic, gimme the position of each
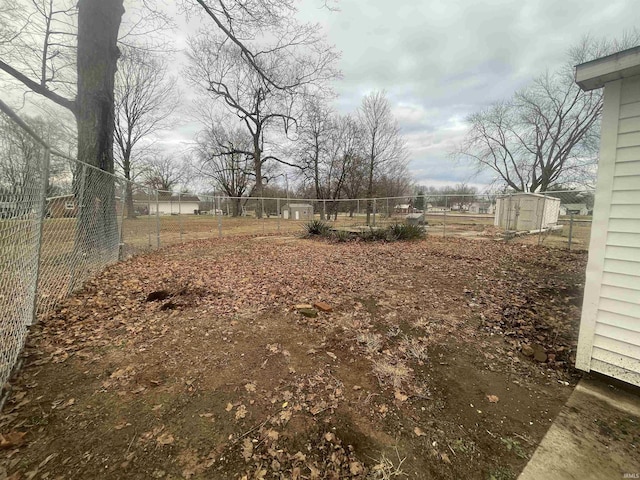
(596, 73)
(524, 194)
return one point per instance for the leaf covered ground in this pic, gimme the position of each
(444, 358)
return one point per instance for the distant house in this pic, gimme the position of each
(482, 208)
(297, 211)
(403, 208)
(63, 206)
(166, 203)
(574, 209)
(66, 206)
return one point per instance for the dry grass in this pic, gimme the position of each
(372, 342)
(391, 373)
(385, 468)
(414, 349)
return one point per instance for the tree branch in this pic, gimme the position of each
(38, 88)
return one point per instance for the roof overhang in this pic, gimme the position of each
(596, 73)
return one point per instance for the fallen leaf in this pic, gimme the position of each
(247, 449)
(356, 468)
(493, 398)
(250, 387)
(241, 412)
(165, 439)
(285, 416)
(445, 458)
(229, 407)
(12, 439)
(419, 432)
(400, 396)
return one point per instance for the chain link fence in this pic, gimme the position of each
(62, 221)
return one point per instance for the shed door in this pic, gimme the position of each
(286, 214)
(528, 213)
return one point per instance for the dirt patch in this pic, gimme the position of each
(417, 370)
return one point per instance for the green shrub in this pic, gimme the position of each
(374, 235)
(401, 231)
(341, 236)
(316, 228)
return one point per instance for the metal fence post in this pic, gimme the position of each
(374, 212)
(544, 204)
(42, 212)
(278, 209)
(83, 176)
(444, 222)
(570, 229)
(123, 206)
(157, 220)
(180, 215)
(219, 215)
(324, 208)
(149, 214)
(263, 215)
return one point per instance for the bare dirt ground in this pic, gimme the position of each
(444, 358)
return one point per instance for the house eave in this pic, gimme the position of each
(596, 73)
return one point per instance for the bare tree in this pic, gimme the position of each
(543, 135)
(343, 160)
(22, 158)
(312, 144)
(220, 158)
(144, 99)
(164, 173)
(221, 70)
(241, 22)
(383, 145)
(546, 133)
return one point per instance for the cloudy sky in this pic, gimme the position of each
(438, 62)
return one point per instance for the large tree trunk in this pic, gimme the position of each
(370, 193)
(128, 205)
(98, 25)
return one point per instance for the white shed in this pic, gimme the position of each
(526, 212)
(609, 340)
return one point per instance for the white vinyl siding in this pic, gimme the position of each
(610, 328)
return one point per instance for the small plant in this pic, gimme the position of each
(514, 446)
(464, 446)
(316, 228)
(385, 468)
(501, 473)
(391, 374)
(393, 331)
(371, 342)
(401, 231)
(341, 236)
(415, 349)
(374, 235)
